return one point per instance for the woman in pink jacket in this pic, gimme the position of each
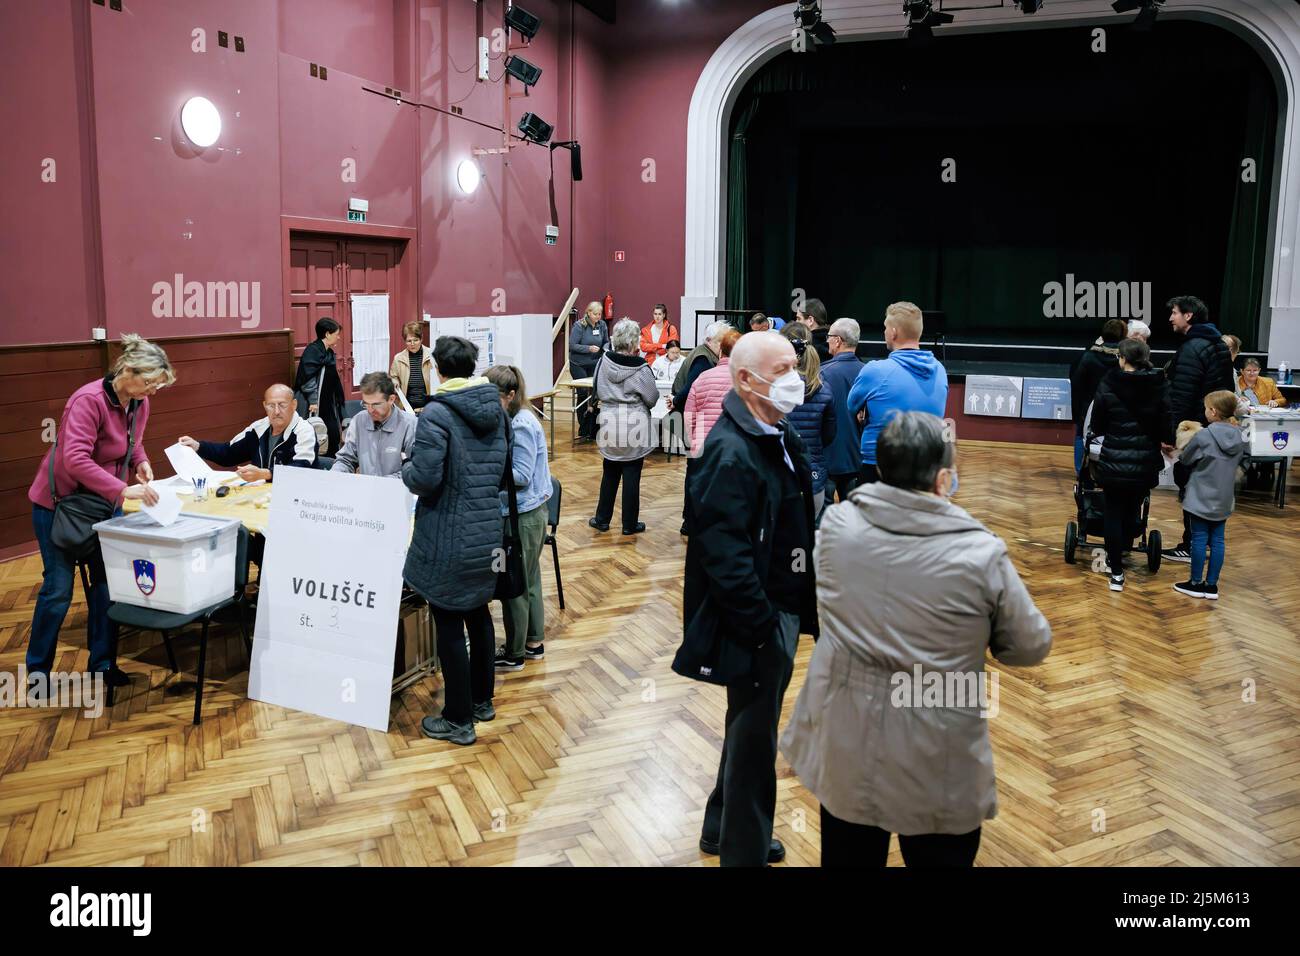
(90, 455)
(704, 403)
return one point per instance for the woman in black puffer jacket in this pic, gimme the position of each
(814, 420)
(1130, 413)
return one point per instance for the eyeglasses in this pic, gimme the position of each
(374, 406)
(277, 406)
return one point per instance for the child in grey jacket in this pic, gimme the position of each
(1213, 456)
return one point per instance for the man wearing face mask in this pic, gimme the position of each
(910, 380)
(748, 591)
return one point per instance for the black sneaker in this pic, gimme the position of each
(1117, 582)
(775, 852)
(440, 728)
(635, 529)
(504, 663)
(1192, 589)
(1179, 554)
(485, 711)
(1210, 591)
(534, 653)
(598, 524)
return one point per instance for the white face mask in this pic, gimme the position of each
(786, 392)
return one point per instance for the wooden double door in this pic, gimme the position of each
(324, 273)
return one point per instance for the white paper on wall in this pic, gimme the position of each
(369, 335)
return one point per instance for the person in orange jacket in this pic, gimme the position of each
(655, 336)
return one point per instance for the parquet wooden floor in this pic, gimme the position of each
(1131, 744)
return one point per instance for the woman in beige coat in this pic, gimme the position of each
(418, 387)
(890, 730)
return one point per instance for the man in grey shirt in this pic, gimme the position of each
(379, 438)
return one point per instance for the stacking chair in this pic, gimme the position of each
(165, 622)
(553, 522)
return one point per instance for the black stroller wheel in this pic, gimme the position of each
(1071, 541)
(1153, 551)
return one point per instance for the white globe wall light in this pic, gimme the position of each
(200, 121)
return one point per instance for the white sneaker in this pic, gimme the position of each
(1117, 582)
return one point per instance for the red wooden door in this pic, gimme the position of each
(324, 272)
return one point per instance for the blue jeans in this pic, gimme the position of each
(1202, 532)
(56, 596)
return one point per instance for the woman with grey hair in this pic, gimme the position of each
(625, 387)
(889, 732)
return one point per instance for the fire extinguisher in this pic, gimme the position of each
(609, 305)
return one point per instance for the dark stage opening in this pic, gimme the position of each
(1117, 167)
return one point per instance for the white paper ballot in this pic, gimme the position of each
(166, 510)
(187, 462)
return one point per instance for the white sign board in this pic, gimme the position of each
(520, 340)
(996, 395)
(369, 336)
(328, 599)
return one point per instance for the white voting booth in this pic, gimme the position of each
(328, 598)
(520, 340)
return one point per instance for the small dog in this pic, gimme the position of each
(1186, 429)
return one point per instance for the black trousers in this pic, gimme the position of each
(867, 474)
(629, 472)
(843, 485)
(852, 844)
(467, 677)
(587, 413)
(686, 484)
(1182, 475)
(741, 808)
(1123, 507)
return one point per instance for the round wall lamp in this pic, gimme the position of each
(200, 121)
(468, 176)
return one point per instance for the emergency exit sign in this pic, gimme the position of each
(356, 215)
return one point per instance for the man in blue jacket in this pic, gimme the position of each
(910, 380)
(843, 456)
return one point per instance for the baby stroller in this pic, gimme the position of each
(1090, 505)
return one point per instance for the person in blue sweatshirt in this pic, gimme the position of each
(909, 380)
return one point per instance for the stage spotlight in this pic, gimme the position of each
(523, 71)
(535, 129)
(1147, 10)
(522, 22)
(922, 18)
(808, 14)
(1029, 6)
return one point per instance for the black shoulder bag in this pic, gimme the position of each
(510, 581)
(75, 515)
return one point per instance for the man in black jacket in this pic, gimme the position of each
(1201, 365)
(1088, 372)
(748, 589)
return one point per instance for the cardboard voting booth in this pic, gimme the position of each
(329, 594)
(183, 567)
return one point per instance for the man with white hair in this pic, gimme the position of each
(748, 592)
(1137, 329)
(842, 456)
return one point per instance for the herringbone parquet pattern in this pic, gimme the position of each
(1131, 744)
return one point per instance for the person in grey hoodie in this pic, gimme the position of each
(890, 731)
(457, 467)
(1211, 458)
(625, 387)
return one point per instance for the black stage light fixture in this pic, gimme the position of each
(808, 14)
(1147, 10)
(922, 18)
(535, 129)
(522, 22)
(523, 71)
(1029, 6)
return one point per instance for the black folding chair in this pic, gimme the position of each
(553, 522)
(164, 622)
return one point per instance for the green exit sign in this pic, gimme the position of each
(356, 215)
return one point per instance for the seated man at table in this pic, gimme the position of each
(281, 438)
(380, 436)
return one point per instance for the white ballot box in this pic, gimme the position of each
(184, 567)
(1273, 432)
